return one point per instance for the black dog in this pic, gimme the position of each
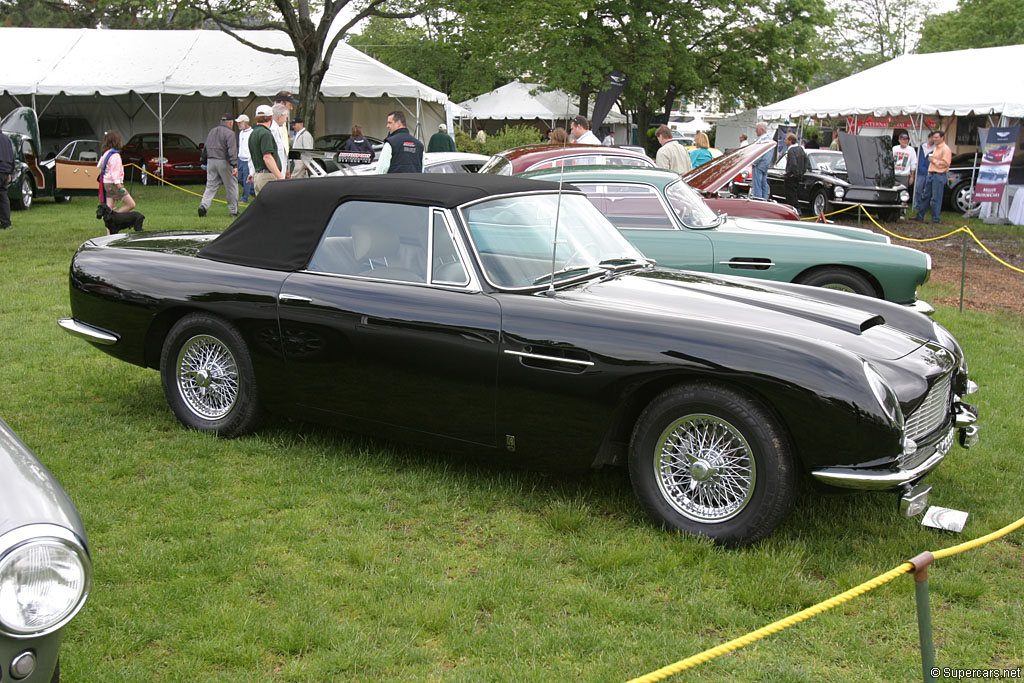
(116, 222)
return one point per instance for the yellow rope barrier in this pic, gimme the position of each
(775, 627)
(177, 187)
(962, 228)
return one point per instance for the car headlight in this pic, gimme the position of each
(884, 394)
(839, 192)
(904, 196)
(44, 580)
(158, 160)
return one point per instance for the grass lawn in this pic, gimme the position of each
(304, 553)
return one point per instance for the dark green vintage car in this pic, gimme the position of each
(670, 223)
(45, 568)
(60, 178)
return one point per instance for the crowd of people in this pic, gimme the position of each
(258, 154)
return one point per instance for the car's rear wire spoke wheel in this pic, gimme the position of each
(207, 377)
(706, 469)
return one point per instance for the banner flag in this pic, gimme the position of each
(616, 81)
(997, 146)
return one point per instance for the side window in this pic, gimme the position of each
(447, 267)
(629, 206)
(377, 240)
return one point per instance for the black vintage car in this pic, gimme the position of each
(451, 310)
(45, 568)
(860, 174)
(963, 174)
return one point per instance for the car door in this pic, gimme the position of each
(642, 216)
(76, 170)
(387, 325)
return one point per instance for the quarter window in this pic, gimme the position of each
(378, 240)
(628, 206)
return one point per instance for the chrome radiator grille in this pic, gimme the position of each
(932, 413)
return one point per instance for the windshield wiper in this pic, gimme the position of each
(620, 262)
(551, 277)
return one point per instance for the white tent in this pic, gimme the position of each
(518, 101)
(199, 72)
(981, 81)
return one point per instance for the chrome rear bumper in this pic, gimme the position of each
(87, 332)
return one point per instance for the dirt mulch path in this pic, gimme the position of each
(989, 285)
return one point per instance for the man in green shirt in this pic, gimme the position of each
(441, 141)
(263, 150)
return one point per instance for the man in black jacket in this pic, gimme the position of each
(402, 152)
(796, 166)
(6, 169)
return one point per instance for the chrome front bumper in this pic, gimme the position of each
(881, 479)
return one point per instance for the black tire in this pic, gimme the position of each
(843, 279)
(24, 202)
(735, 495)
(820, 203)
(207, 377)
(959, 199)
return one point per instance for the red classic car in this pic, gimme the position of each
(711, 178)
(180, 161)
(707, 179)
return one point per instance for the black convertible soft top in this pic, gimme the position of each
(281, 229)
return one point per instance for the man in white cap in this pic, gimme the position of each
(441, 141)
(244, 160)
(266, 165)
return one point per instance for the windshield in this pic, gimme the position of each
(498, 165)
(513, 238)
(691, 209)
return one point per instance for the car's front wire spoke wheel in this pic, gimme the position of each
(706, 469)
(710, 459)
(207, 377)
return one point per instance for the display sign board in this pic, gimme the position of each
(997, 148)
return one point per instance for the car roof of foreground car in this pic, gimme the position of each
(255, 239)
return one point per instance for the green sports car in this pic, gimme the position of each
(670, 223)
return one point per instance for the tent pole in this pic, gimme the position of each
(419, 119)
(160, 130)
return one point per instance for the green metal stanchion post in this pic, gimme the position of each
(963, 271)
(924, 614)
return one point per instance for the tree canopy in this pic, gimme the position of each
(974, 23)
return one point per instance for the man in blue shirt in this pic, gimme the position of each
(759, 188)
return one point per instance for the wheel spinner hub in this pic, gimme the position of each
(706, 468)
(207, 377)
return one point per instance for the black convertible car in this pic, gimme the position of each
(860, 174)
(502, 315)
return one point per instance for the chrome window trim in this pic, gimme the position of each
(677, 224)
(597, 153)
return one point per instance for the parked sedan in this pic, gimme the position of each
(963, 174)
(45, 567)
(538, 157)
(828, 185)
(669, 222)
(179, 164)
(503, 316)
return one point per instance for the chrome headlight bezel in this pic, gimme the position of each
(839, 192)
(47, 543)
(904, 196)
(885, 395)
